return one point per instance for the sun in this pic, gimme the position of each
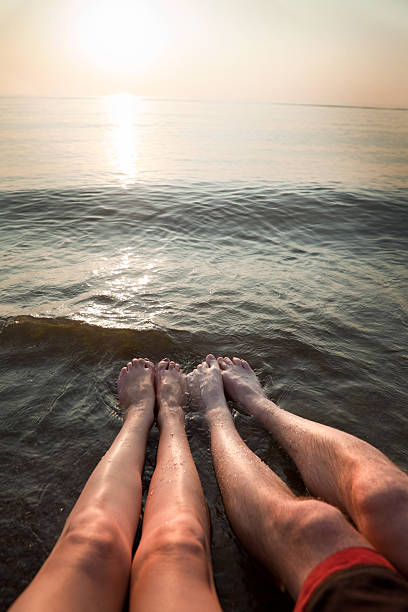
(120, 36)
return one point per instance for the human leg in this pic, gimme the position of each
(290, 536)
(172, 565)
(338, 467)
(89, 567)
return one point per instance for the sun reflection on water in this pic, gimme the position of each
(124, 112)
(129, 297)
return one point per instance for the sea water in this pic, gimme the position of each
(137, 227)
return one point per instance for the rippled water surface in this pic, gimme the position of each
(152, 228)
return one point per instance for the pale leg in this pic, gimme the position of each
(89, 567)
(290, 536)
(172, 566)
(336, 466)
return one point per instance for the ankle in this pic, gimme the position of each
(260, 403)
(140, 411)
(170, 412)
(218, 415)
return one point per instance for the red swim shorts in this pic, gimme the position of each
(351, 580)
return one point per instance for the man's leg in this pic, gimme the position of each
(172, 566)
(289, 535)
(89, 567)
(336, 466)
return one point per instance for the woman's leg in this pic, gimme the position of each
(290, 536)
(172, 566)
(89, 567)
(336, 466)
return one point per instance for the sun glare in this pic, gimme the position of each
(120, 36)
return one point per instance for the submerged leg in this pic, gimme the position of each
(336, 466)
(289, 535)
(89, 567)
(172, 566)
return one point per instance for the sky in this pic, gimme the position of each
(351, 52)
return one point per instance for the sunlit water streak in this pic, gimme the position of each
(125, 112)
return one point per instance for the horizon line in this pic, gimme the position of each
(211, 100)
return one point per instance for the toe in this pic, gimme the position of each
(194, 375)
(177, 366)
(163, 364)
(246, 365)
(228, 361)
(191, 381)
(236, 361)
(211, 360)
(149, 364)
(172, 365)
(221, 363)
(129, 365)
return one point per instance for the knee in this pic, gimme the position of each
(94, 540)
(180, 539)
(377, 502)
(313, 522)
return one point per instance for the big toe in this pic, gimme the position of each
(220, 361)
(211, 361)
(224, 363)
(163, 364)
(122, 373)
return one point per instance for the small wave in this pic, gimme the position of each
(62, 335)
(243, 211)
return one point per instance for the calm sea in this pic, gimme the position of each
(136, 227)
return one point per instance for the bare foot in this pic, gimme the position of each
(240, 381)
(242, 385)
(171, 389)
(205, 383)
(136, 387)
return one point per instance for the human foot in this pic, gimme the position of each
(240, 381)
(205, 383)
(136, 387)
(170, 388)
